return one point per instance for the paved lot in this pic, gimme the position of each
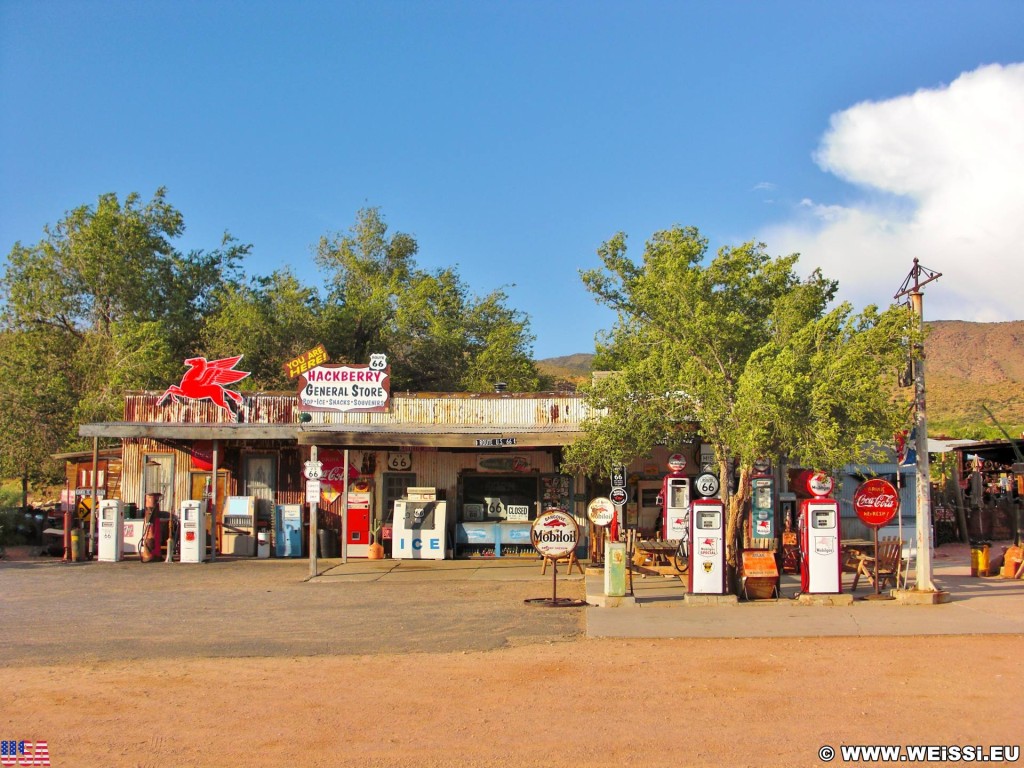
(70, 613)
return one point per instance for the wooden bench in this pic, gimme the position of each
(888, 560)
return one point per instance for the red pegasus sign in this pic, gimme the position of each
(207, 379)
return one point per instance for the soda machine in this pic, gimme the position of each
(239, 536)
(357, 532)
(288, 536)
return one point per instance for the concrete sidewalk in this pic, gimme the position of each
(978, 605)
(333, 571)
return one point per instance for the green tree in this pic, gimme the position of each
(269, 321)
(101, 304)
(741, 352)
(436, 334)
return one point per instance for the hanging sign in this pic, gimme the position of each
(876, 502)
(351, 388)
(312, 491)
(600, 511)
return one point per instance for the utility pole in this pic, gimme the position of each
(923, 564)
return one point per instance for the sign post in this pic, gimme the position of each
(876, 503)
(555, 534)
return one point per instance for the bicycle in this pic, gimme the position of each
(682, 561)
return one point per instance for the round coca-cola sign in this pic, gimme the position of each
(876, 501)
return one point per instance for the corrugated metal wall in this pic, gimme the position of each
(429, 409)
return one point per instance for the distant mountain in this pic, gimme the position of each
(967, 365)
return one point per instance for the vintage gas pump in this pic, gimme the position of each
(675, 499)
(821, 564)
(192, 525)
(111, 531)
(762, 507)
(707, 547)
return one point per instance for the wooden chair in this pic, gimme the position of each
(889, 559)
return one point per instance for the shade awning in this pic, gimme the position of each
(156, 430)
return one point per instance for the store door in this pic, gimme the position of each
(260, 482)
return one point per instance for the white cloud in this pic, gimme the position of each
(940, 175)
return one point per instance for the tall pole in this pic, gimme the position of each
(312, 523)
(212, 511)
(923, 566)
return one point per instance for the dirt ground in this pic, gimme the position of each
(106, 687)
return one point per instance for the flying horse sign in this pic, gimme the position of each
(208, 380)
(356, 388)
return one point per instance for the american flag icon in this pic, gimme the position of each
(24, 753)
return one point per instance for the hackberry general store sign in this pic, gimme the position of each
(353, 388)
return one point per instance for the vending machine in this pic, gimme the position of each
(419, 531)
(357, 532)
(239, 525)
(707, 574)
(111, 531)
(192, 524)
(676, 500)
(821, 564)
(288, 535)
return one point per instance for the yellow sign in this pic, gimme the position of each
(306, 361)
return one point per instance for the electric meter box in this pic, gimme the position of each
(111, 531)
(419, 530)
(192, 524)
(821, 564)
(707, 547)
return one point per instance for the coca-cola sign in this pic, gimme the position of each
(876, 501)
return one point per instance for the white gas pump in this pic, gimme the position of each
(418, 531)
(111, 531)
(821, 564)
(192, 524)
(676, 498)
(707, 547)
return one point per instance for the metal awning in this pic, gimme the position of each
(351, 435)
(176, 431)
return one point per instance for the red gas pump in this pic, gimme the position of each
(821, 561)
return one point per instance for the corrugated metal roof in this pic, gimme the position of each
(480, 420)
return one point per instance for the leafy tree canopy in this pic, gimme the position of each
(741, 351)
(438, 337)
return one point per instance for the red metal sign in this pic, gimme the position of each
(876, 502)
(208, 380)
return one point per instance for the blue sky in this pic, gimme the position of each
(513, 138)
